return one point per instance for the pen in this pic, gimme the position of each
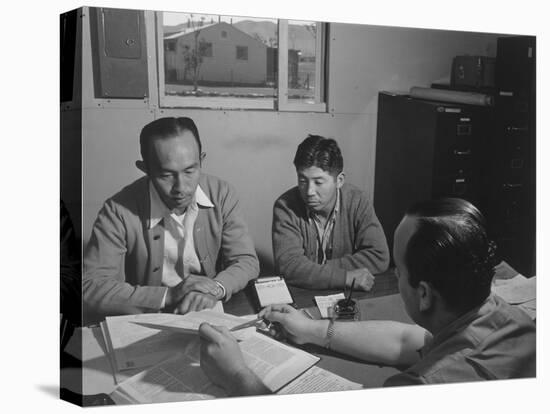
(350, 291)
(248, 324)
(308, 314)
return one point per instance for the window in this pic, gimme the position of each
(259, 64)
(242, 53)
(304, 68)
(207, 51)
(170, 46)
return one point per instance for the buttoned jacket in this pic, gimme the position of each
(124, 258)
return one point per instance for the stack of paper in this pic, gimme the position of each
(139, 341)
(318, 379)
(180, 378)
(163, 350)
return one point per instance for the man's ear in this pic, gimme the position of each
(201, 158)
(425, 296)
(141, 166)
(340, 179)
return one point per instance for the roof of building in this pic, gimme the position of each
(190, 30)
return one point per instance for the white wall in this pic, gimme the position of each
(254, 149)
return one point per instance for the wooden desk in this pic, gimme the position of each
(96, 375)
(242, 303)
(371, 376)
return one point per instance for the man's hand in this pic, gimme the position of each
(364, 280)
(222, 361)
(195, 301)
(201, 284)
(192, 283)
(296, 325)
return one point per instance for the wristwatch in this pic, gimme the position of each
(221, 292)
(330, 333)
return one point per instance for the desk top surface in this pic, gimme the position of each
(97, 377)
(242, 303)
(381, 303)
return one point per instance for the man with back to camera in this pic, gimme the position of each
(172, 241)
(325, 232)
(445, 266)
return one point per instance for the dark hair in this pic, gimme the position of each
(451, 251)
(166, 128)
(317, 151)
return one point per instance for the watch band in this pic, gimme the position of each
(222, 290)
(330, 333)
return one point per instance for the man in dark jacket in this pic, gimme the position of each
(325, 232)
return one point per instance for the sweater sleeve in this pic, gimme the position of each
(239, 256)
(370, 247)
(105, 291)
(290, 257)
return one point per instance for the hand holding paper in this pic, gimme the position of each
(223, 362)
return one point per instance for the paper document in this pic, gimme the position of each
(275, 363)
(190, 322)
(517, 290)
(180, 378)
(272, 290)
(324, 303)
(318, 379)
(138, 341)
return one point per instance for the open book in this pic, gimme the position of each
(139, 341)
(180, 378)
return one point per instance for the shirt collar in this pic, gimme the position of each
(311, 214)
(159, 209)
(460, 324)
(202, 199)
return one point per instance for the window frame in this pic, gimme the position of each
(279, 103)
(244, 51)
(284, 104)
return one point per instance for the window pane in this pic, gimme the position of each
(219, 56)
(302, 58)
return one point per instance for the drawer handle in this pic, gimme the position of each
(508, 185)
(457, 152)
(516, 129)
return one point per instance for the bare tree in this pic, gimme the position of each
(312, 29)
(193, 56)
(259, 38)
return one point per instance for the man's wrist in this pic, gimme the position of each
(329, 334)
(319, 332)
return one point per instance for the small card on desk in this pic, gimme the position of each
(272, 290)
(326, 304)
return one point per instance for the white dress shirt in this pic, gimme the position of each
(180, 256)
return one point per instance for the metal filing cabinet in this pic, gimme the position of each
(426, 149)
(511, 171)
